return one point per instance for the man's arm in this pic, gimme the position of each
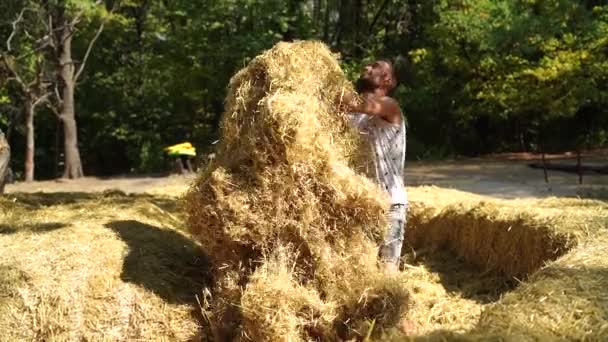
(385, 107)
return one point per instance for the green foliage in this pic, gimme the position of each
(532, 63)
(476, 76)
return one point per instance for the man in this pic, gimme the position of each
(379, 118)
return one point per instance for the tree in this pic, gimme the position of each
(499, 73)
(64, 18)
(26, 66)
(476, 76)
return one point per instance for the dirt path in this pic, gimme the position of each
(497, 178)
(502, 178)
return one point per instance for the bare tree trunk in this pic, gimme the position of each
(337, 39)
(316, 12)
(544, 167)
(30, 148)
(579, 169)
(73, 164)
(57, 147)
(5, 157)
(326, 22)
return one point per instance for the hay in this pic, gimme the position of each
(111, 266)
(558, 298)
(96, 267)
(565, 301)
(284, 175)
(514, 237)
(290, 309)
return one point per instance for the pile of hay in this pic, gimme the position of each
(513, 237)
(565, 301)
(291, 225)
(555, 249)
(96, 267)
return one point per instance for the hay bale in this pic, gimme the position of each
(284, 175)
(515, 238)
(276, 306)
(565, 301)
(560, 243)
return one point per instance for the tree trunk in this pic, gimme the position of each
(326, 23)
(544, 167)
(5, 157)
(579, 169)
(29, 149)
(73, 164)
(316, 12)
(358, 24)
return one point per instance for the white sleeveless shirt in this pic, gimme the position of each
(388, 144)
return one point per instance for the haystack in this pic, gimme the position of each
(284, 179)
(565, 301)
(553, 249)
(514, 238)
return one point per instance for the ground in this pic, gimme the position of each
(81, 262)
(506, 176)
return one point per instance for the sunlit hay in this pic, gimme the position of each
(277, 307)
(373, 297)
(515, 238)
(284, 175)
(281, 109)
(95, 267)
(565, 301)
(560, 299)
(347, 273)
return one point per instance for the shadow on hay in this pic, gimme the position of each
(45, 199)
(163, 261)
(468, 280)
(11, 278)
(599, 194)
(46, 227)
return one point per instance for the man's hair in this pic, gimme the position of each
(394, 81)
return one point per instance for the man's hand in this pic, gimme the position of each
(347, 101)
(385, 107)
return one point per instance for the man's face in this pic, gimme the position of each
(376, 74)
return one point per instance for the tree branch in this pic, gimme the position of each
(14, 72)
(57, 94)
(377, 16)
(79, 16)
(41, 99)
(14, 24)
(54, 110)
(51, 31)
(89, 48)
(37, 49)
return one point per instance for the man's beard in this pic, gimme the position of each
(363, 84)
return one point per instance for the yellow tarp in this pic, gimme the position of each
(183, 149)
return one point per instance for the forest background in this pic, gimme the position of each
(101, 87)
